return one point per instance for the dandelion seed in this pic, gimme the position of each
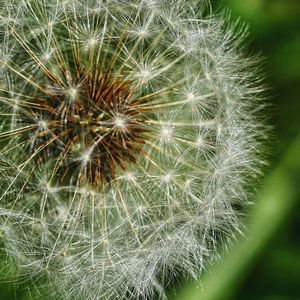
(166, 133)
(120, 122)
(167, 177)
(73, 92)
(191, 97)
(129, 176)
(43, 124)
(86, 157)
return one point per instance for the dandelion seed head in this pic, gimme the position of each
(129, 133)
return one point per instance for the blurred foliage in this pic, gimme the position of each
(264, 265)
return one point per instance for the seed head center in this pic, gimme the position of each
(96, 126)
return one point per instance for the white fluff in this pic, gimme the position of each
(163, 215)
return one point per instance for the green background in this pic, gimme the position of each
(265, 264)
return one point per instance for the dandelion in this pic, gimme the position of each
(129, 133)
